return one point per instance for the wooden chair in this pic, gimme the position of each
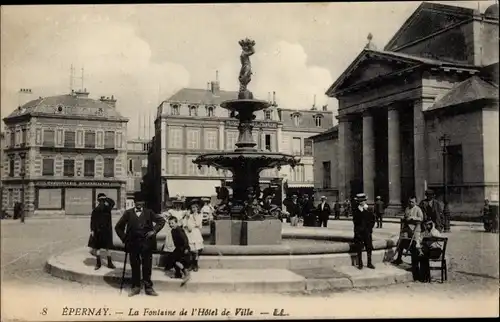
(405, 242)
(441, 260)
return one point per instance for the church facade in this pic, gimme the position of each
(437, 77)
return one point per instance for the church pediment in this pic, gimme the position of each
(428, 19)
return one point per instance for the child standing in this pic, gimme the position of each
(192, 224)
(180, 255)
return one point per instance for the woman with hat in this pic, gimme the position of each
(192, 223)
(101, 229)
(177, 210)
(364, 220)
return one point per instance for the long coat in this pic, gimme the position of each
(433, 212)
(100, 224)
(325, 212)
(363, 222)
(132, 229)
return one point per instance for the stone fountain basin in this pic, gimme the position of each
(335, 250)
(258, 158)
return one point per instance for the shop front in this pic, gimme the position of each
(73, 197)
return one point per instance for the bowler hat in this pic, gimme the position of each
(361, 197)
(101, 195)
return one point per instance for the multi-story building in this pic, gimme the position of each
(61, 151)
(192, 122)
(325, 167)
(137, 166)
(2, 146)
(422, 113)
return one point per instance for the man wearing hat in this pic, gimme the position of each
(293, 208)
(101, 229)
(364, 220)
(379, 211)
(432, 209)
(136, 230)
(324, 212)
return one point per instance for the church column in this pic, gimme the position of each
(419, 147)
(344, 157)
(394, 157)
(368, 157)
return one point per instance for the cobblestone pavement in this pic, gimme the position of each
(473, 256)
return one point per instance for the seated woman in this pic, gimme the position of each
(429, 250)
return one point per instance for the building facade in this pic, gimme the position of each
(325, 165)
(137, 167)
(437, 76)
(192, 122)
(61, 151)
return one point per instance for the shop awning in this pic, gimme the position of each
(192, 188)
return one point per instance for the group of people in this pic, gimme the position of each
(137, 229)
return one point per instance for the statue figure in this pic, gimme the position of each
(223, 208)
(251, 207)
(245, 77)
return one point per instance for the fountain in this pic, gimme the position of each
(240, 221)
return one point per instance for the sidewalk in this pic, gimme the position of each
(397, 220)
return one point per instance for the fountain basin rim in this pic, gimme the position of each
(245, 104)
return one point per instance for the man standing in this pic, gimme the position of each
(364, 220)
(347, 208)
(432, 209)
(379, 211)
(411, 228)
(293, 208)
(324, 212)
(135, 228)
(336, 209)
(101, 229)
(308, 212)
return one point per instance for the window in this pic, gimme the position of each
(210, 111)
(109, 167)
(12, 139)
(193, 111)
(268, 142)
(24, 138)
(90, 139)
(48, 138)
(69, 139)
(175, 138)
(10, 198)
(308, 147)
(193, 139)
(211, 140)
(175, 109)
(89, 168)
(232, 138)
(11, 167)
(327, 182)
(130, 166)
(296, 119)
(296, 146)
(69, 168)
(192, 168)
(174, 165)
(298, 173)
(109, 140)
(455, 164)
(48, 167)
(267, 115)
(317, 120)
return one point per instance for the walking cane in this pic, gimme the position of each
(123, 273)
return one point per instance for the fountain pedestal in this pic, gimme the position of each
(245, 232)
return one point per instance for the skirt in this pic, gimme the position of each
(195, 239)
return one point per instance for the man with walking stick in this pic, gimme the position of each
(136, 230)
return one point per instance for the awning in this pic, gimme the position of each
(192, 188)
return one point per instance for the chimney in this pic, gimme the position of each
(81, 93)
(274, 99)
(325, 107)
(111, 101)
(314, 103)
(215, 86)
(208, 86)
(269, 97)
(24, 95)
(279, 114)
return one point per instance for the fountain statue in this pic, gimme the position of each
(245, 162)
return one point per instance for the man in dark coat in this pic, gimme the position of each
(379, 211)
(433, 210)
(308, 212)
(336, 209)
(294, 209)
(324, 212)
(137, 228)
(101, 229)
(364, 220)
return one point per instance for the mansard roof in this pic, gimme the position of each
(387, 64)
(69, 105)
(202, 96)
(428, 19)
(472, 89)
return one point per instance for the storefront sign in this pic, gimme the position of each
(254, 123)
(77, 184)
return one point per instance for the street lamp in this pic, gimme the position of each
(22, 174)
(444, 141)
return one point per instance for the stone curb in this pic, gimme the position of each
(291, 283)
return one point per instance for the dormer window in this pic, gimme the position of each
(175, 109)
(296, 119)
(193, 111)
(317, 119)
(267, 115)
(210, 111)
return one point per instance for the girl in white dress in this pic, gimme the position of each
(192, 224)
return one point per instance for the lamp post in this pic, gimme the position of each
(444, 141)
(22, 174)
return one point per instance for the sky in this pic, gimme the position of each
(143, 54)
